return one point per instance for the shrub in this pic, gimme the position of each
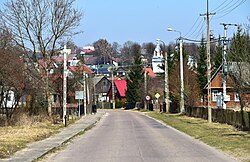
(119, 104)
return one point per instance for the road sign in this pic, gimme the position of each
(147, 97)
(157, 95)
(79, 95)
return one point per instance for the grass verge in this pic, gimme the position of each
(221, 136)
(15, 138)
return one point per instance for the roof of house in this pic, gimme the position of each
(150, 72)
(86, 69)
(216, 80)
(121, 87)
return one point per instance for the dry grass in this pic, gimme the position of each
(222, 136)
(28, 129)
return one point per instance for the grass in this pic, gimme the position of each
(221, 136)
(14, 138)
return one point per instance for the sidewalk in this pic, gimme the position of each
(37, 149)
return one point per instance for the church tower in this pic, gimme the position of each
(157, 59)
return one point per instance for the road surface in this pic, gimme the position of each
(126, 136)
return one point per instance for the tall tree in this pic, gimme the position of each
(11, 80)
(202, 65)
(116, 49)
(135, 77)
(218, 55)
(238, 57)
(103, 49)
(127, 53)
(38, 26)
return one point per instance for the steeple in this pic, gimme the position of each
(158, 51)
(157, 59)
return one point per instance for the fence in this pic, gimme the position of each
(238, 119)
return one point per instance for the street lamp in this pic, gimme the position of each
(181, 69)
(166, 86)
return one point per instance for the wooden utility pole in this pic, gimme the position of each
(208, 65)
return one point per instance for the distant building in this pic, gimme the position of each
(157, 60)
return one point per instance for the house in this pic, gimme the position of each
(102, 69)
(232, 97)
(120, 71)
(120, 88)
(150, 72)
(102, 87)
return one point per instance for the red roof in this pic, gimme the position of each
(121, 86)
(150, 72)
(86, 69)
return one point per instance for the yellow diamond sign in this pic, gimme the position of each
(157, 95)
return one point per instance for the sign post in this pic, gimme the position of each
(79, 97)
(157, 95)
(147, 101)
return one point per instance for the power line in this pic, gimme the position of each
(223, 3)
(192, 26)
(230, 9)
(198, 28)
(201, 30)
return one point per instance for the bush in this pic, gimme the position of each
(119, 104)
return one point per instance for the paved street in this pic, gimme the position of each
(126, 136)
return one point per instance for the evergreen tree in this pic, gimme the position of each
(135, 78)
(218, 55)
(202, 65)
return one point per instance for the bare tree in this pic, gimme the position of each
(191, 91)
(239, 68)
(11, 81)
(38, 26)
(104, 49)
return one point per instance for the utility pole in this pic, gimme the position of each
(182, 77)
(224, 64)
(166, 86)
(64, 86)
(84, 89)
(145, 87)
(182, 106)
(208, 65)
(113, 87)
(166, 80)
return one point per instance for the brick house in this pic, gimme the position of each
(232, 97)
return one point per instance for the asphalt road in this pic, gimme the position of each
(125, 136)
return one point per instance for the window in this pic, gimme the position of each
(214, 95)
(236, 97)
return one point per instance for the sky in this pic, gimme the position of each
(144, 21)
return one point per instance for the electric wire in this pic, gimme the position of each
(223, 3)
(232, 7)
(192, 26)
(197, 28)
(229, 9)
(220, 7)
(201, 30)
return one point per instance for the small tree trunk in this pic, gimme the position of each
(243, 123)
(50, 105)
